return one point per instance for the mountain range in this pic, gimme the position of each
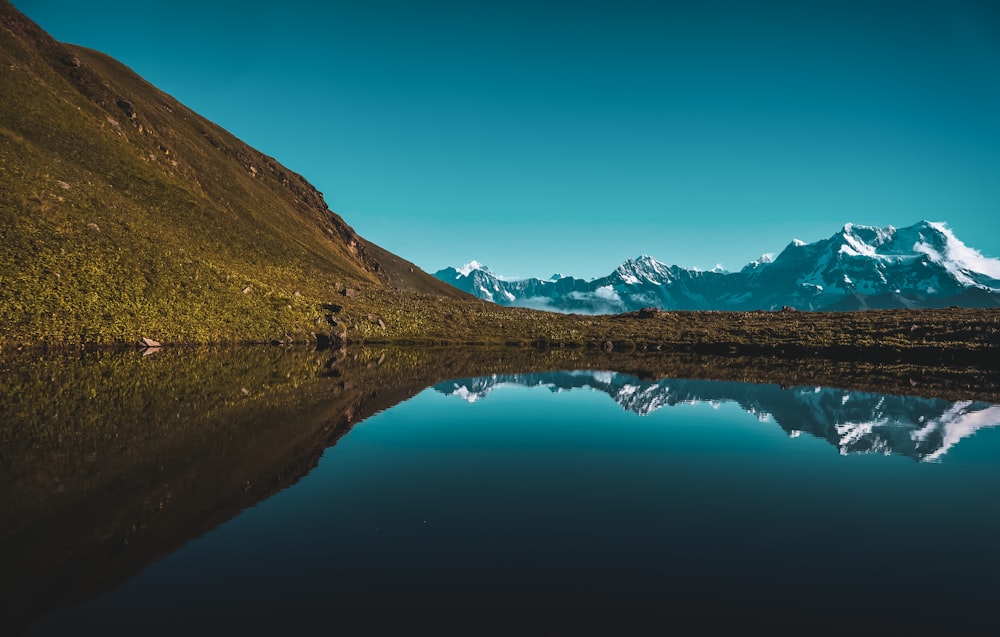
(858, 268)
(852, 421)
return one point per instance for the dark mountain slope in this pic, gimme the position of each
(124, 213)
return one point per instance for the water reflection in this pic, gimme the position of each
(853, 421)
(111, 461)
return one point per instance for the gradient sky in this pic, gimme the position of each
(541, 137)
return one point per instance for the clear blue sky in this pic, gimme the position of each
(541, 137)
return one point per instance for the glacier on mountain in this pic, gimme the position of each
(859, 267)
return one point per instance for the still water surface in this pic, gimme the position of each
(566, 501)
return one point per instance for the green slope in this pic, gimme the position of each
(124, 214)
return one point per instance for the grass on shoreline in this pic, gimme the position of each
(375, 315)
(378, 316)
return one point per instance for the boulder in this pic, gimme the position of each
(127, 108)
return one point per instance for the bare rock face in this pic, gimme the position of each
(127, 108)
(70, 59)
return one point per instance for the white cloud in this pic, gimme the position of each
(536, 303)
(467, 269)
(962, 255)
(603, 300)
(607, 293)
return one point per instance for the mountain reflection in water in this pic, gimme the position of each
(236, 485)
(853, 421)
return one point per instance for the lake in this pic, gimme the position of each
(270, 491)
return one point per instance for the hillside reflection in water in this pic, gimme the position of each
(234, 492)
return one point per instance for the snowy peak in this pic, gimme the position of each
(863, 240)
(933, 240)
(871, 235)
(476, 279)
(468, 268)
(942, 246)
(644, 269)
(761, 261)
(858, 267)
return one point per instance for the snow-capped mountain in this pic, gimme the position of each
(859, 267)
(854, 422)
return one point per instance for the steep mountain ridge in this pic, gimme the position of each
(858, 267)
(125, 213)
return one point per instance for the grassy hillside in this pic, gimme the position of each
(124, 214)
